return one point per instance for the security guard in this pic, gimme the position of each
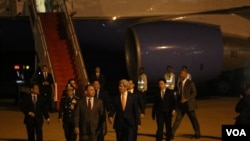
(142, 85)
(142, 81)
(170, 78)
(66, 113)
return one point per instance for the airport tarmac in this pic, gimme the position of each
(212, 112)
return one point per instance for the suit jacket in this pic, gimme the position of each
(130, 117)
(164, 105)
(189, 92)
(243, 108)
(40, 111)
(45, 88)
(78, 93)
(140, 101)
(90, 123)
(103, 95)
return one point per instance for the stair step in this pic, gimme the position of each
(57, 44)
(58, 49)
(63, 77)
(64, 73)
(61, 61)
(63, 67)
(62, 53)
(50, 36)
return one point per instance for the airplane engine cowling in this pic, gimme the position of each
(155, 45)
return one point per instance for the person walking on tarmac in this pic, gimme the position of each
(186, 104)
(35, 111)
(66, 113)
(90, 116)
(164, 107)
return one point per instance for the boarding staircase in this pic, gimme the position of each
(57, 46)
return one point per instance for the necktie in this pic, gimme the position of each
(180, 90)
(97, 93)
(123, 101)
(162, 94)
(45, 75)
(34, 101)
(89, 104)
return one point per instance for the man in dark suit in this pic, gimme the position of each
(164, 107)
(46, 85)
(139, 99)
(98, 76)
(34, 110)
(100, 93)
(127, 118)
(186, 101)
(90, 119)
(138, 95)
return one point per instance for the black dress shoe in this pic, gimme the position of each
(172, 137)
(196, 136)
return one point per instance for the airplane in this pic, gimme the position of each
(209, 36)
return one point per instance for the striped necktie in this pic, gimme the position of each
(162, 94)
(89, 104)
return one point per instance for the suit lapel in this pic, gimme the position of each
(39, 100)
(95, 103)
(31, 101)
(85, 104)
(185, 85)
(128, 100)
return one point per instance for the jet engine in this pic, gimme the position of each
(154, 45)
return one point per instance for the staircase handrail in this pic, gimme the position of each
(77, 50)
